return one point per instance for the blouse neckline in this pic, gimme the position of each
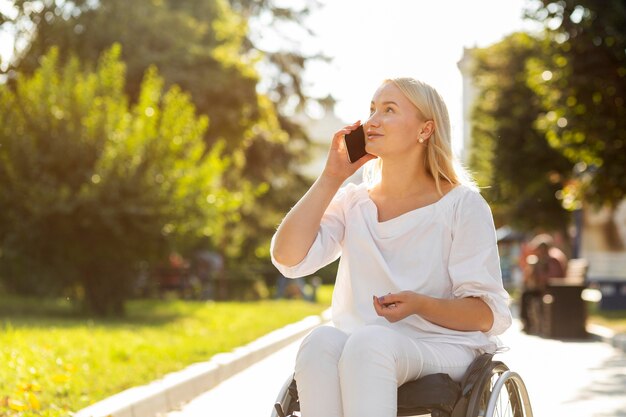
(416, 211)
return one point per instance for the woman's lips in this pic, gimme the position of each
(374, 135)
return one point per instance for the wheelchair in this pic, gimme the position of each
(488, 389)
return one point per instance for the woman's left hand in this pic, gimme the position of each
(464, 314)
(395, 307)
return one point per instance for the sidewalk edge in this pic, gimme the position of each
(177, 388)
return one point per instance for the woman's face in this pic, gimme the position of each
(394, 125)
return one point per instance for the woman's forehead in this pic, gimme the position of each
(389, 92)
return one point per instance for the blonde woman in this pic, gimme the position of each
(418, 289)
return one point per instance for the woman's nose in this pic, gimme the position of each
(372, 120)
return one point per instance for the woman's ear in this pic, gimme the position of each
(428, 128)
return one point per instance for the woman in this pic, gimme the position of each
(418, 288)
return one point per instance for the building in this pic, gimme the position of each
(469, 95)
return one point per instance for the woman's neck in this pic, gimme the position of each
(400, 180)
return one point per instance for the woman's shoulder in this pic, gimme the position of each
(458, 194)
(351, 194)
(460, 202)
(472, 207)
(467, 195)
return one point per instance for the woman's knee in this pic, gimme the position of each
(368, 345)
(323, 345)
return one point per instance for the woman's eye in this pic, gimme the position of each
(388, 110)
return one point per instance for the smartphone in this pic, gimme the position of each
(355, 144)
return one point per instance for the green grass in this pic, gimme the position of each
(53, 361)
(613, 319)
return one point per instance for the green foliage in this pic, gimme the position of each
(205, 47)
(509, 154)
(195, 44)
(58, 362)
(92, 185)
(582, 86)
(285, 63)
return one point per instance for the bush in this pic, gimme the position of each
(92, 185)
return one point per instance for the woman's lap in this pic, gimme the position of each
(359, 372)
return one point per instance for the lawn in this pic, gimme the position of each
(613, 319)
(53, 362)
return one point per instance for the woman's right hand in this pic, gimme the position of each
(338, 167)
(299, 228)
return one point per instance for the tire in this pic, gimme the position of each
(499, 393)
(285, 399)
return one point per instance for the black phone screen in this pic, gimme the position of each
(355, 144)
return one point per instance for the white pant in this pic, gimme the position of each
(358, 375)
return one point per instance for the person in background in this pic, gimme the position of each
(545, 261)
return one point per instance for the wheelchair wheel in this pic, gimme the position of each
(499, 393)
(287, 400)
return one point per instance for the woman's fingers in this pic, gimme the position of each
(377, 306)
(380, 306)
(337, 141)
(337, 163)
(391, 298)
(391, 306)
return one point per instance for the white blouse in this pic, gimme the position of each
(445, 250)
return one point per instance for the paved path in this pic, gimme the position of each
(564, 378)
(249, 393)
(569, 378)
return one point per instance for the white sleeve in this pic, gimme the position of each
(327, 245)
(474, 264)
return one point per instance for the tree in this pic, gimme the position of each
(582, 85)
(195, 44)
(287, 64)
(91, 185)
(204, 47)
(509, 154)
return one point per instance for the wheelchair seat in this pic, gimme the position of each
(488, 389)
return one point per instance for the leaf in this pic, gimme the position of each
(60, 378)
(34, 401)
(17, 405)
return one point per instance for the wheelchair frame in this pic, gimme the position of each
(488, 389)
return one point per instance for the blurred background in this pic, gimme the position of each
(140, 139)
(149, 148)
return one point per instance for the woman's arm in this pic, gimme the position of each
(298, 230)
(465, 314)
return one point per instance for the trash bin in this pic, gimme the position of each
(564, 313)
(613, 293)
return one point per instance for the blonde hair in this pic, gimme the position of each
(440, 160)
